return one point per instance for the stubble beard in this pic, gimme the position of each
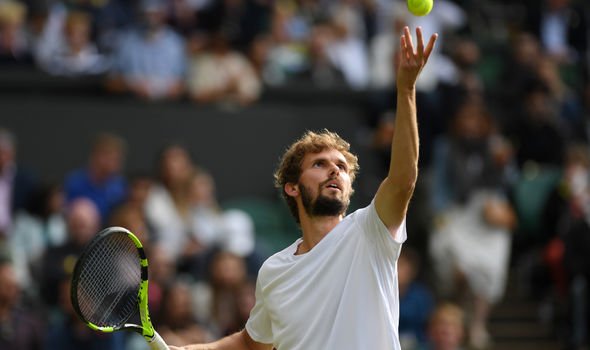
(322, 205)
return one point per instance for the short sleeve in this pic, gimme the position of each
(259, 326)
(377, 233)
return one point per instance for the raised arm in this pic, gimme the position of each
(394, 194)
(237, 341)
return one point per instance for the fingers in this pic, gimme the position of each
(421, 54)
(409, 42)
(420, 44)
(430, 46)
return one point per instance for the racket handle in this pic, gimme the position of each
(157, 343)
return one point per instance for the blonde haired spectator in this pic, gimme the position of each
(14, 44)
(446, 327)
(65, 47)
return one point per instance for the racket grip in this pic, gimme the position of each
(157, 343)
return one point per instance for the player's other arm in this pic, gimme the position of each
(237, 341)
(394, 194)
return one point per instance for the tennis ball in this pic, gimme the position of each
(420, 7)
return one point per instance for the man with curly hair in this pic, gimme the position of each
(336, 287)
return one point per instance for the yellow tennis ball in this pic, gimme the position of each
(420, 7)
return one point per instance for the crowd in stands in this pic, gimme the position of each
(504, 112)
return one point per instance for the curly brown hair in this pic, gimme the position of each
(289, 168)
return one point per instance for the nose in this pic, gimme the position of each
(334, 170)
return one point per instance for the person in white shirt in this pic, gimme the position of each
(336, 287)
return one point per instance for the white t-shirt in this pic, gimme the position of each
(341, 295)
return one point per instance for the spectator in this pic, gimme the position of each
(416, 301)
(65, 47)
(565, 274)
(67, 332)
(463, 81)
(14, 42)
(177, 323)
(149, 60)
(135, 221)
(131, 214)
(20, 329)
(567, 103)
(382, 51)
(230, 230)
(101, 180)
(241, 20)
(162, 275)
(561, 26)
(345, 48)
(446, 327)
(222, 75)
(517, 74)
(83, 222)
(286, 48)
(538, 135)
(37, 228)
(220, 300)
(167, 206)
(471, 237)
(107, 18)
(16, 184)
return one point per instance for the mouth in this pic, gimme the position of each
(333, 185)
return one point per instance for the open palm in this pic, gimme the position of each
(412, 59)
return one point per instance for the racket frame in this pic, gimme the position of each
(146, 329)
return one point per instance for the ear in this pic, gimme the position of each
(291, 189)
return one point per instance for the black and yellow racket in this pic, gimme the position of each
(110, 285)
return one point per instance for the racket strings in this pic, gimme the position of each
(109, 281)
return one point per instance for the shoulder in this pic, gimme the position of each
(279, 260)
(76, 177)
(172, 36)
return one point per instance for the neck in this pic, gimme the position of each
(315, 229)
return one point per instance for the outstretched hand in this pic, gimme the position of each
(412, 60)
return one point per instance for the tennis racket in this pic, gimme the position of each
(110, 285)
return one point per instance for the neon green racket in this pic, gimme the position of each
(110, 285)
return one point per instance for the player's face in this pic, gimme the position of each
(324, 183)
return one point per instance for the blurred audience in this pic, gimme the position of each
(65, 46)
(446, 327)
(416, 301)
(149, 59)
(221, 75)
(66, 331)
(561, 26)
(177, 323)
(214, 228)
(167, 206)
(538, 135)
(20, 327)
(14, 39)
(101, 180)
(83, 222)
(16, 183)
(40, 226)
(562, 280)
(470, 242)
(224, 298)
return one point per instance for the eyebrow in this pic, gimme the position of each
(337, 161)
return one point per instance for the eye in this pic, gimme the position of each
(317, 163)
(342, 166)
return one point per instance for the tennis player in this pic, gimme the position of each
(336, 287)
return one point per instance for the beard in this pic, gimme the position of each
(322, 205)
